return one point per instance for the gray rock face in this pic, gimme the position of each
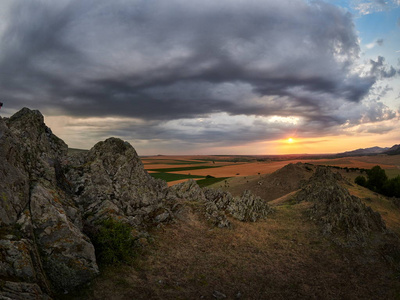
(110, 181)
(218, 204)
(14, 181)
(38, 235)
(68, 255)
(247, 208)
(340, 215)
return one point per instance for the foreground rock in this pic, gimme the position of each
(42, 247)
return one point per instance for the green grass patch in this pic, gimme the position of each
(209, 181)
(172, 177)
(114, 242)
(167, 170)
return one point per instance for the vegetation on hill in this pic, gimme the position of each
(378, 181)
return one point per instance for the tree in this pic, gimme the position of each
(376, 178)
(392, 187)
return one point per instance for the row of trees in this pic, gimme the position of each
(378, 181)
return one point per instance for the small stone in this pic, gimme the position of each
(219, 295)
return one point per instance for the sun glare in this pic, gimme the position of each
(290, 140)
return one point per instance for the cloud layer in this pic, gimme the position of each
(236, 65)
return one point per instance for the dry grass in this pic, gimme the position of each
(384, 205)
(284, 257)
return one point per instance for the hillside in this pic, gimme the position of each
(363, 151)
(395, 150)
(95, 225)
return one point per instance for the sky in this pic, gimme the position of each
(206, 77)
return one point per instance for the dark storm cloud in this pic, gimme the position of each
(169, 60)
(380, 69)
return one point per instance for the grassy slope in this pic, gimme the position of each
(284, 257)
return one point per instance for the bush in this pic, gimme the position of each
(114, 242)
(376, 178)
(392, 187)
(361, 180)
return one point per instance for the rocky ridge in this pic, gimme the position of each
(341, 216)
(218, 204)
(48, 200)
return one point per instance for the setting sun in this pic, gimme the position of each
(290, 140)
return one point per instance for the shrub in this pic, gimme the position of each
(392, 187)
(361, 180)
(114, 242)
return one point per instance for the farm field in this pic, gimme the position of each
(215, 169)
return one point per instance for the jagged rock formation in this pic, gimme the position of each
(218, 204)
(110, 181)
(341, 215)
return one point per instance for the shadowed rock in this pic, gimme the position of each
(38, 233)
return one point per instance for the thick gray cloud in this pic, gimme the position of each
(170, 60)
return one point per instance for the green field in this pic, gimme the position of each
(167, 170)
(209, 181)
(172, 177)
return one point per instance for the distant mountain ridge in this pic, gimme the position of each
(393, 150)
(366, 151)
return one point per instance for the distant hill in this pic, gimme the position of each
(393, 150)
(366, 151)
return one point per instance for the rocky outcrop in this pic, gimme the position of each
(110, 181)
(42, 247)
(247, 208)
(48, 199)
(342, 216)
(219, 204)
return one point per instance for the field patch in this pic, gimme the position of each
(168, 177)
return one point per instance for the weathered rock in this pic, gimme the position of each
(188, 190)
(110, 181)
(14, 181)
(218, 204)
(68, 254)
(340, 214)
(247, 208)
(37, 224)
(10, 290)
